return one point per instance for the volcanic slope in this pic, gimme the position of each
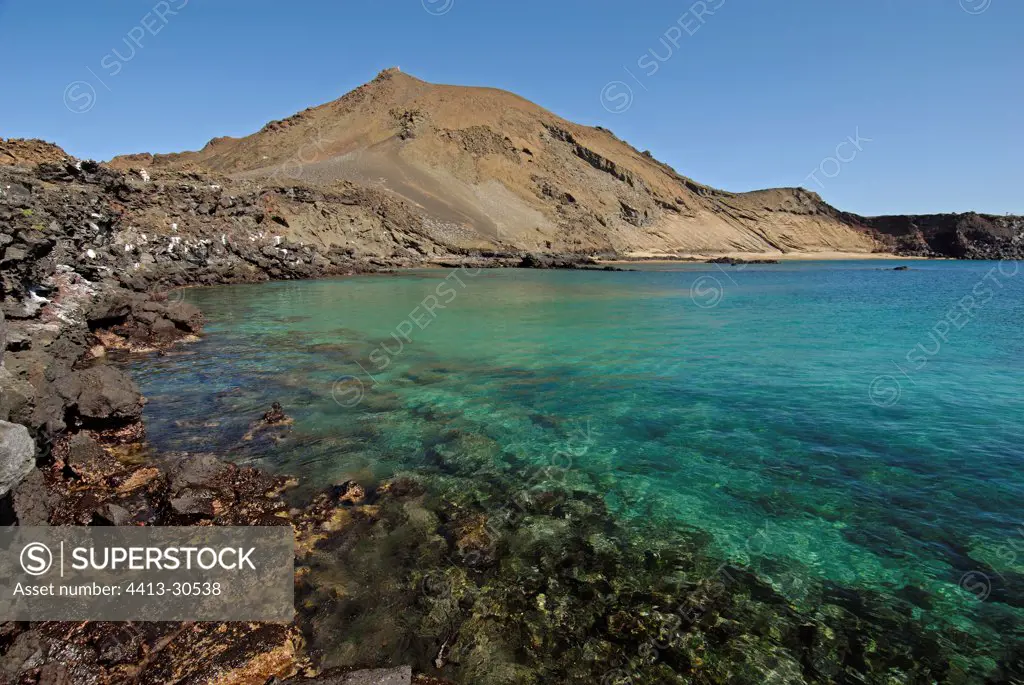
(487, 169)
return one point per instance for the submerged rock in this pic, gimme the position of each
(273, 426)
(276, 415)
(380, 676)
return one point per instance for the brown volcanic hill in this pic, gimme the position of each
(29, 152)
(486, 168)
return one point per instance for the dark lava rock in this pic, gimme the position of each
(18, 341)
(185, 316)
(275, 415)
(88, 461)
(203, 487)
(101, 394)
(115, 515)
(30, 500)
(17, 455)
(12, 255)
(379, 676)
(142, 321)
(735, 261)
(132, 497)
(164, 331)
(195, 502)
(961, 236)
(148, 318)
(16, 395)
(106, 652)
(532, 261)
(115, 307)
(198, 469)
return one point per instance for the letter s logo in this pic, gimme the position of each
(617, 97)
(36, 558)
(79, 97)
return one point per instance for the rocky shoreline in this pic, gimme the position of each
(84, 279)
(81, 459)
(971, 235)
(92, 263)
(81, 283)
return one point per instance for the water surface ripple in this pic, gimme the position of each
(836, 425)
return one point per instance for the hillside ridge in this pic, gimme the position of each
(506, 173)
(476, 170)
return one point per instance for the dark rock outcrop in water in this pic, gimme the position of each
(140, 322)
(960, 236)
(275, 415)
(735, 261)
(100, 396)
(571, 262)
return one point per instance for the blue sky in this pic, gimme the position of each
(739, 94)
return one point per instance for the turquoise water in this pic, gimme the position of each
(827, 425)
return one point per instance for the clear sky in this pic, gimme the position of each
(739, 94)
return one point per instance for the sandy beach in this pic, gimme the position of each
(750, 256)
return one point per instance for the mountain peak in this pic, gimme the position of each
(486, 167)
(394, 74)
(28, 151)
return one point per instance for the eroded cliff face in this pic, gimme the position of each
(961, 236)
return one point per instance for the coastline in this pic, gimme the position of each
(644, 257)
(99, 304)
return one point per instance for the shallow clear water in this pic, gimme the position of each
(837, 423)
